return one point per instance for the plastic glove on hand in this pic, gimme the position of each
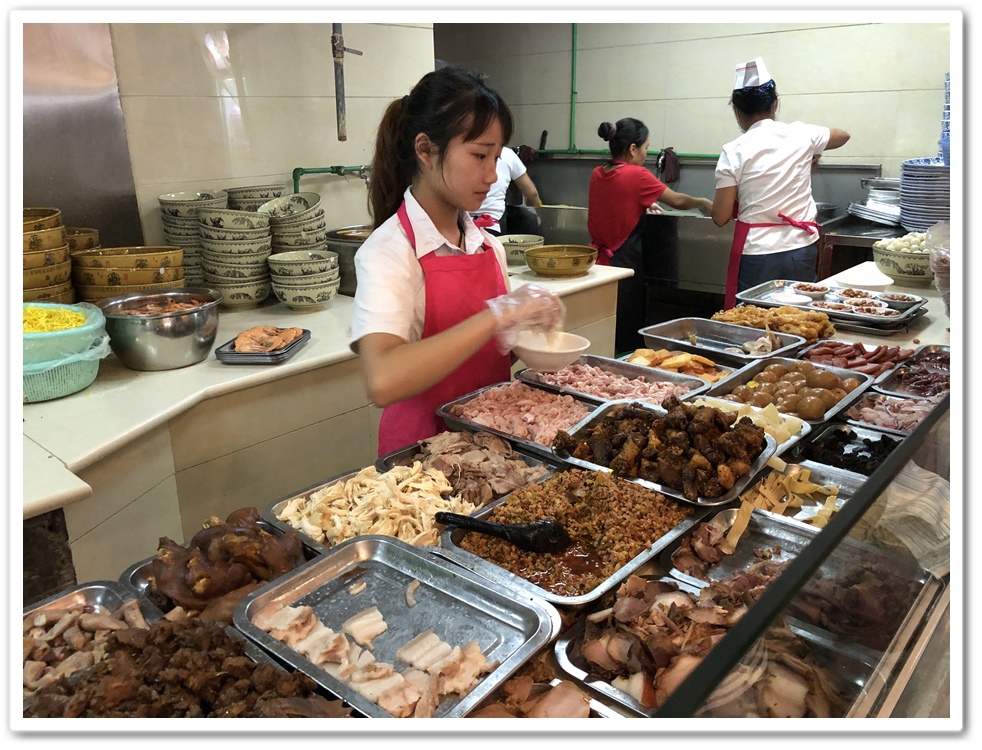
(529, 306)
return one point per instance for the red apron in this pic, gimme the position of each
(457, 287)
(740, 239)
(604, 254)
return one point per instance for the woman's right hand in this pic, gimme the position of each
(529, 306)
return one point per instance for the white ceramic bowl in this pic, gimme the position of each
(813, 291)
(314, 279)
(548, 352)
(238, 247)
(906, 268)
(318, 247)
(245, 293)
(237, 259)
(220, 271)
(898, 301)
(313, 222)
(300, 239)
(212, 233)
(262, 193)
(227, 218)
(289, 207)
(306, 296)
(303, 262)
(187, 223)
(186, 204)
(178, 235)
(867, 278)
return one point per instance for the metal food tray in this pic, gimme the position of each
(455, 604)
(722, 404)
(770, 449)
(597, 709)
(102, 596)
(617, 367)
(886, 383)
(227, 354)
(404, 457)
(848, 483)
(726, 385)
(842, 325)
(761, 295)
(137, 576)
(459, 423)
(871, 394)
(797, 453)
(451, 550)
(713, 336)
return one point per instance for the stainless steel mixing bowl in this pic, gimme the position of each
(162, 341)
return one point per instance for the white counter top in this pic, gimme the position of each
(123, 404)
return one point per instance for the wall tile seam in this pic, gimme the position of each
(278, 436)
(169, 477)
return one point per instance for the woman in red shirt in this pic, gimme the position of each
(621, 193)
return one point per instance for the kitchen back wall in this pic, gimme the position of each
(881, 82)
(224, 105)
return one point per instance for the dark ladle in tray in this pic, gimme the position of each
(541, 536)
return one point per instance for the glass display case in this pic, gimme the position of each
(856, 622)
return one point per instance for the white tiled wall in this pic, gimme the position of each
(226, 105)
(882, 82)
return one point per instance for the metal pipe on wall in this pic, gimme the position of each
(337, 50)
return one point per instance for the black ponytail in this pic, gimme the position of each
(444, 104)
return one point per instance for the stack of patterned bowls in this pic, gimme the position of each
(82, 238)
(180, 215)
(945, 143)
(251, 197)
(297, 222)
(304, 279)
(111, 271)
(234, 249)
(47, 259)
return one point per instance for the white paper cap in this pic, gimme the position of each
(753, 73)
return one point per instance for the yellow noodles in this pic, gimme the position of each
(43, 319)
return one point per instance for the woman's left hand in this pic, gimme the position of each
(655, 209)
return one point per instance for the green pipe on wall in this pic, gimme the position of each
(572, 97)
(601, 151)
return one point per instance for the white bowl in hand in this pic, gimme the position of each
(549, 352)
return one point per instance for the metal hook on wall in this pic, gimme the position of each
(337, 50)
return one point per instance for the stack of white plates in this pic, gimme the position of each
(878, 212)
(925, 193)
(888, 197)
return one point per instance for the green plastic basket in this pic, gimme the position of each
(49, 346)
(60, 381)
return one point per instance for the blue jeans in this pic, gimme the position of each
(795, 265)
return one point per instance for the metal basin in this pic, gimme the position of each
(163, 341)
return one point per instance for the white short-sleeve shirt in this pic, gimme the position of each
(509, 167)
(391, 292)
(771, 166)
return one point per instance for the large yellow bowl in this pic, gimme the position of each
(93, 293)
(44, 239)
(47, 293)
(561, 261)
(82, 238)
(126, 276)
(41, 258)
(36, 278)
(36, 219)
(151, 256)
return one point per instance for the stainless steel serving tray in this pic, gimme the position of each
(712, 337)
(459, 423)
(887, 382)
(869, 396)
(570, 642)
(770, 449)
(103, 596)
(226, 352)
(760, 295)
(137, 576)
(884, 330)
(455, 604)
(726, 385)
(404, 457)
(617, 367)
(799, 451)
(722, 404)
(451, 550)
(848, 483)
(598, 710)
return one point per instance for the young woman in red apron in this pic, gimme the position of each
(621, 192)
(767, 171)
(434, 319)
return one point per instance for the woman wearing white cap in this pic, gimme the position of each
(763, 180)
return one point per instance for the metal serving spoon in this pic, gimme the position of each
(541, 536)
